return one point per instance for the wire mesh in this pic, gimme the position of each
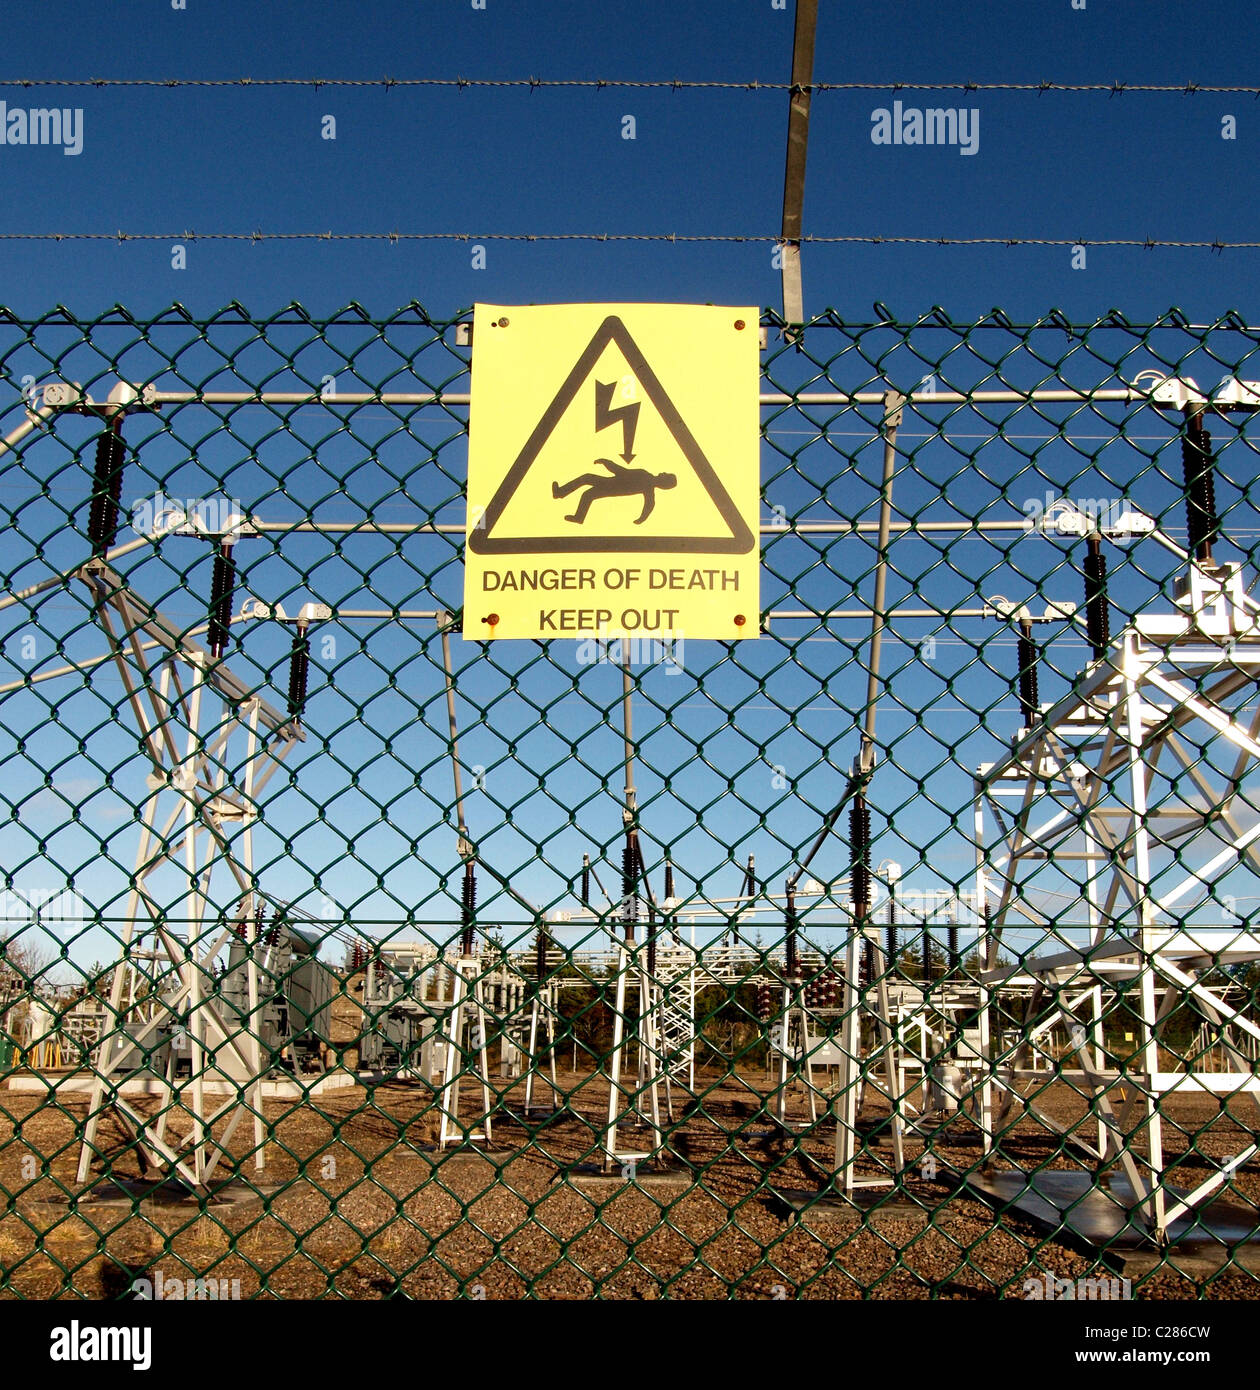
(337, 961)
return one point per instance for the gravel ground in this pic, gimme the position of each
(353, 1204)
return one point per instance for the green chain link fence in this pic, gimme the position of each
(923, 964)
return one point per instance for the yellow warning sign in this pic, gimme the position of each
(613, 473)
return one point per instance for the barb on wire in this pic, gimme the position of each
(675, 84)
(870, 239)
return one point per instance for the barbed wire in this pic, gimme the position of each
(1143, 243)
(671, 84)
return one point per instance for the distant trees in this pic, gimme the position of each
(23, 961)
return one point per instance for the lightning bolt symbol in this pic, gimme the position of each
(606, 415)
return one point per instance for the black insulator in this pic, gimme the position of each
(953, 947)
(868, 962)
(860, 852)
(221, 586)
(641, 876)
(540, 954)
(629, 888)
(586, 878)
(1200, 483)
(1029, 696)
(468, 909)
(890, 935)
(1097, 612)
(789, 936)
(927, 956)
(107, 488)
(669, 880)
(749, 889)
(299, 670)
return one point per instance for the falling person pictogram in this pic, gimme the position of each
(621, 482)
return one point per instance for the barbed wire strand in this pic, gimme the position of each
(672, 84)
(1144, 243)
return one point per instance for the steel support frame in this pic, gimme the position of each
(464, 1057)
(171, 684)
(640, 1102)
(857, 1070)
(1092, 757)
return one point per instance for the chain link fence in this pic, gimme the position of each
(337, 961)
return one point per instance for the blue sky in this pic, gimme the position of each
(703, 162)
(510, 160)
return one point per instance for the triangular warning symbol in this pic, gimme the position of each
(730, 533)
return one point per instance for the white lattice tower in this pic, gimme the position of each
(212, 745)
(675, 987)
(1138, 775)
